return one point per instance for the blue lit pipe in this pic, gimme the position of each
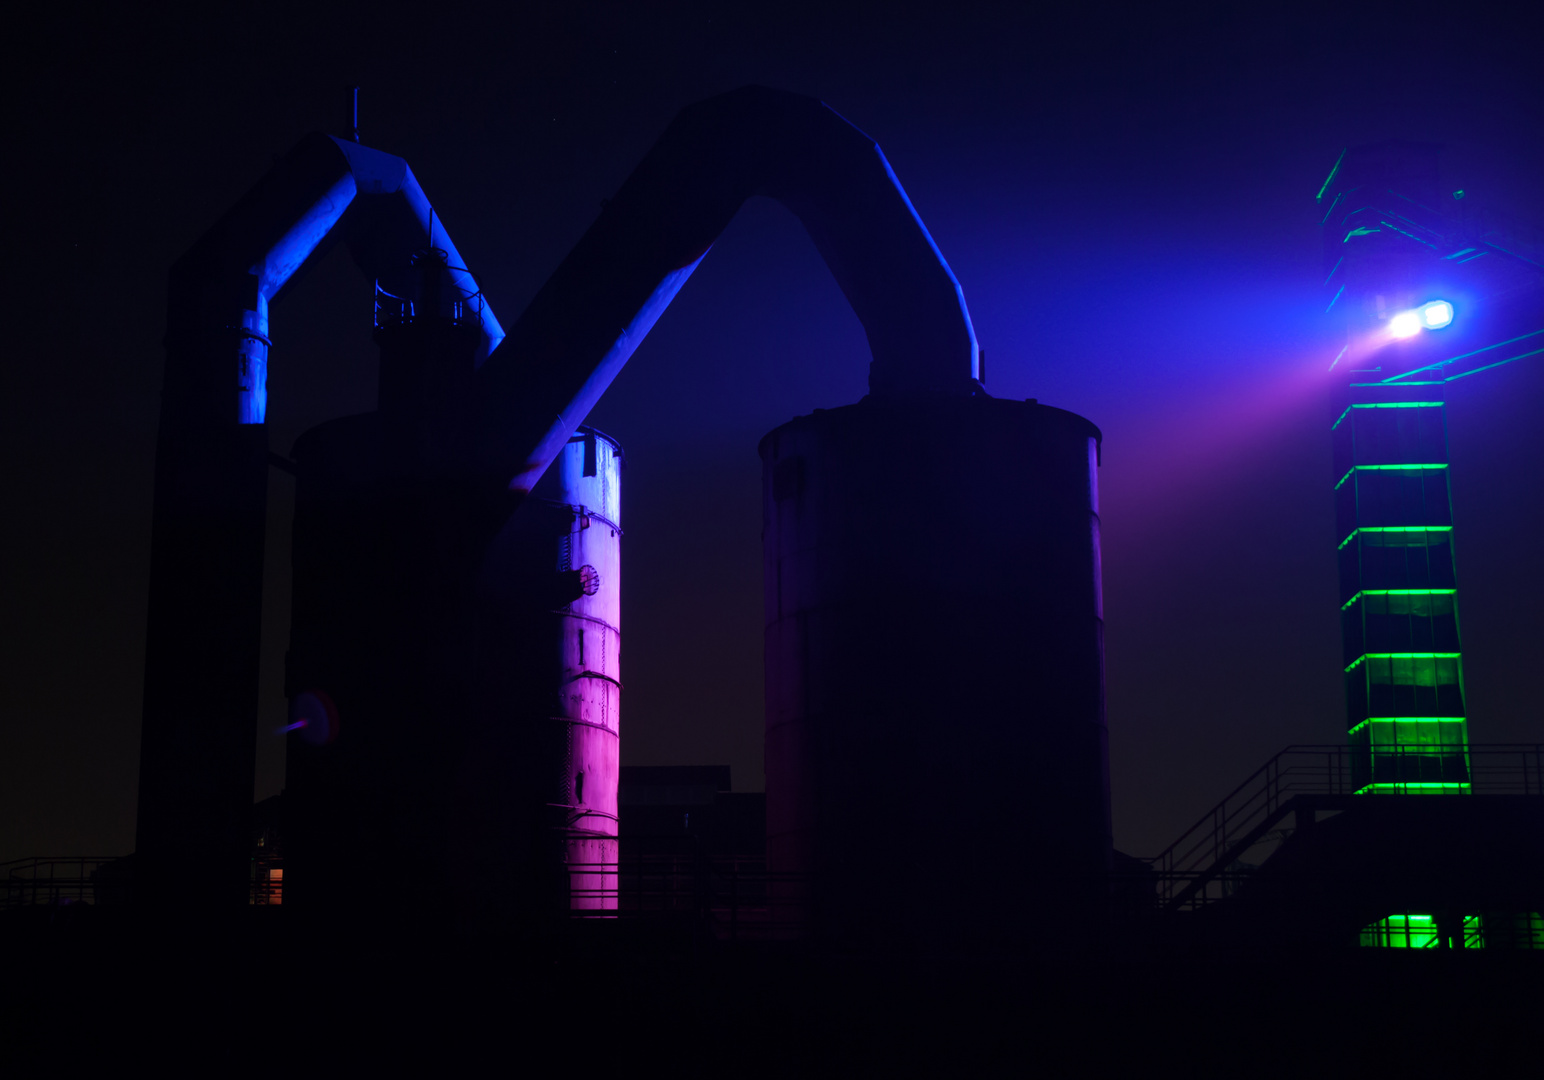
(225, 283)
(203, 628)
(608, 292)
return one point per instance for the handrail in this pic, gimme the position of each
(1244, 816)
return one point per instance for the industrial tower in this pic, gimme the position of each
(1431, 290)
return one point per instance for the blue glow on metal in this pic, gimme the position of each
(369, 173)
(628, 339)
(281, 261)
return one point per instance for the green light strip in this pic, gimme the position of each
(1396, 592)
(1387, 468)
(1403, 656)
(1333, 172)
(1387, 405)
(1429, 784)
(1402, 232)
(1498, 363)
(1409, 719)
(1399, 380)
(1386, 385)
(1394, 528)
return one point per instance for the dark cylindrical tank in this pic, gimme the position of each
(386, 554)
(936, 755)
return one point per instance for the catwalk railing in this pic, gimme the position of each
(1208, 861)
(54, 882)
(732, 898)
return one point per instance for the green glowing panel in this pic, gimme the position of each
(1397, 592)
(1487, 931)
(1411, 720)
(1417, 541)
(1417, 754)
(1454, 787)
(1404, 684)
(1402, 932)
(1387, 468)
(1399, 621)
(1474, 932)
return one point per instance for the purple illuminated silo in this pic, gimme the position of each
(537, 804)
(936, 756)
(587, 479)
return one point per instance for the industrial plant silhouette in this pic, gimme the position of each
(937, 779)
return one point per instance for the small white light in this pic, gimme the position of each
(1436, 315)
(1405, 324)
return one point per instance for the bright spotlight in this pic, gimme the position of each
(1405, 324)
(1436, 315)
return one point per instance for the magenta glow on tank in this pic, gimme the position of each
(588, 474)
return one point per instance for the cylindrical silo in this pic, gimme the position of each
(936, 756)
(540, 788)
(587, 477)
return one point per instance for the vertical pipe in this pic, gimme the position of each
(198, 739)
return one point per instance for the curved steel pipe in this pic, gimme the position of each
(607, 294)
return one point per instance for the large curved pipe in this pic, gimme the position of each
(606, 295)
(209, 517)
(225, 282)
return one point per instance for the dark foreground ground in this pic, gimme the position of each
(265, 994)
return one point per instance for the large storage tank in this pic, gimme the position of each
(936, 756)
(386, 552)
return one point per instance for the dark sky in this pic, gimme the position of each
(1126, 196)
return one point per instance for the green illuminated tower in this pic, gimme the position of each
(1393, 512)
(1399, 601)
(1431, 288)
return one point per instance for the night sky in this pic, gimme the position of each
(1126, 197)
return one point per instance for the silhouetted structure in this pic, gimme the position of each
(935, 672)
